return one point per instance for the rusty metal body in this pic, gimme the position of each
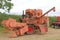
(36, 16)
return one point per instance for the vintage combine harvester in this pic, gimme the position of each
(33, 19)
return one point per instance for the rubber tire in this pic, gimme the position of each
(56, 27)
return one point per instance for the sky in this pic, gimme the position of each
(45, 5)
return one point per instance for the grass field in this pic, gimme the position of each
(53, 34)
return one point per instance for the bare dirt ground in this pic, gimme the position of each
(53, 34)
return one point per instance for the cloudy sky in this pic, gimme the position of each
(45, 5)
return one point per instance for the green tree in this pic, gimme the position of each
(6, 5)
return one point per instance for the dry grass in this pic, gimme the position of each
(53, 34)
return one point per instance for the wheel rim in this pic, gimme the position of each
(30, 30)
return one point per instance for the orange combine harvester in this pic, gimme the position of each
(33, 19)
